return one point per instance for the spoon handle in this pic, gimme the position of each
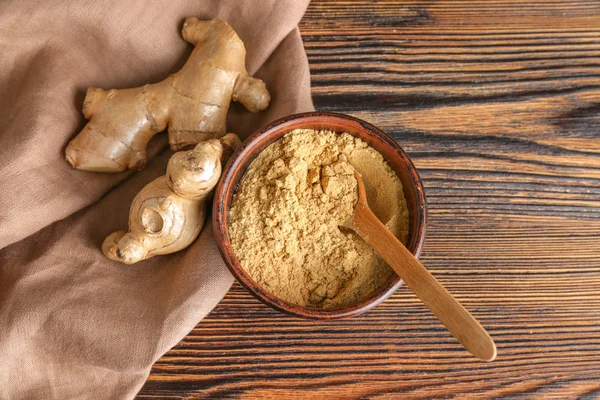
(446, 308)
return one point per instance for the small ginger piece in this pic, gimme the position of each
(167, 214)
(192, 103)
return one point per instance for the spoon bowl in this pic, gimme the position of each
(393, 154)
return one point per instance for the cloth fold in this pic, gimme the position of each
(74, 324)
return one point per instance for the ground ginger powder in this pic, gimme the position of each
(286, 215)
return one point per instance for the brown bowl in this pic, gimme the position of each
(241, 159)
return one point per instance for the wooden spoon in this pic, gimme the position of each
(446, 308)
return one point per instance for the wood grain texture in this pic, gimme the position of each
(498, 104)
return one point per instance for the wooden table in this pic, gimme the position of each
(498, 104)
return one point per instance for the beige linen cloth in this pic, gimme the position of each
(74, 325)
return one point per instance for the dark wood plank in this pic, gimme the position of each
(498, 104)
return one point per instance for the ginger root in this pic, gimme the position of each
(167, 214)
(191, 103)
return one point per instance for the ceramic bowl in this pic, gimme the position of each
(241, 159)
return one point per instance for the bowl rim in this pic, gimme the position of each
(223, 197)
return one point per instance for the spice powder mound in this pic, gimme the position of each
(286, 215)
